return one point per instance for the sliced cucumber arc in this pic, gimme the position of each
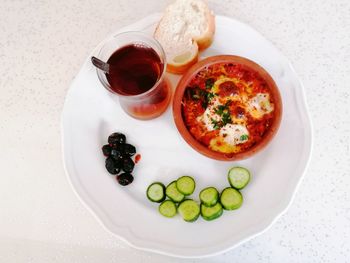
(174, 194)
(209, 196)
(238, 177)
(156, 192)
(189, 210)
(231, 198)
(167, 208)
(211, 213)
(185, 185)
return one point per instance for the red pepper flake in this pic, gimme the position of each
(137, 158)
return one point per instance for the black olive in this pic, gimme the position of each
(106, 149)
(119, 147)
(128, 164)
(111, 166)
(129, 149)
(116, 154)
(118, 164)
(125, 179)
(116, 138)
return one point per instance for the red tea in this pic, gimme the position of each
(134, 69)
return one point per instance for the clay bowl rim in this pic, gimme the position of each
(186, 135)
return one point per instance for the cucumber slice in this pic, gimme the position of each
(167, 208)
(174, 194)
(211, 213)
(231, 198)
(186, 185)
(156, 192)
(189, 210)
(238, 177)
(209, 196)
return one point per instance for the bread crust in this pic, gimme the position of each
(203, 41)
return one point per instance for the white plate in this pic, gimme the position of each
(90, 114)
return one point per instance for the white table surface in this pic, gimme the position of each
(42, 46)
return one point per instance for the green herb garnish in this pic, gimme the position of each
(244, 137)
(226, 118)
(209, 83)
(224, 112)
(216, 124)
(210, 95)
(220, 110)
(196, 93)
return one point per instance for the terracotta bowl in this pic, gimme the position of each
(177, 108)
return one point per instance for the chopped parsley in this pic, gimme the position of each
(209, 83)
(216, 124)
(244, 137)
(195, 93)
(224, 112)
(220, 110)
(226, 118)
(210, 95)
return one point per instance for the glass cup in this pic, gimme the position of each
(151, 103)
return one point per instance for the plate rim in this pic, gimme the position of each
(124, 233)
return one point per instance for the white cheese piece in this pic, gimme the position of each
(209, 115)
(234, 134)
(260, 105)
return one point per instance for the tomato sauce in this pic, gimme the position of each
(228, 95)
